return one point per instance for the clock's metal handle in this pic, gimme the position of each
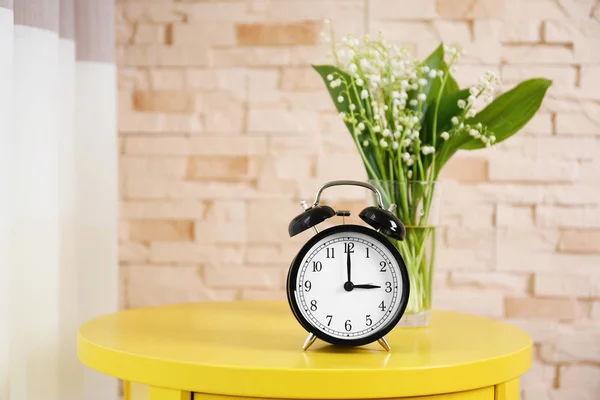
(349, 183)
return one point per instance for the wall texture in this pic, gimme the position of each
(224, 127)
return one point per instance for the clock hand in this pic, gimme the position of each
(348, 266)
(366, 286)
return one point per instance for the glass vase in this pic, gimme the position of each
(417, 206)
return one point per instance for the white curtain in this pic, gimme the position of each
(6, 129)
(58, 193)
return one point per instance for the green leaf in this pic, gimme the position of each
(510, 112)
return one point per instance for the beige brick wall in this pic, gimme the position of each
(224, 127)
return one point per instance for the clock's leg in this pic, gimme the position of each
(384, 343)
(310, 339)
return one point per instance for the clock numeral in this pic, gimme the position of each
(317, 266)
(382, 265)
(369, 320)
(368, 253)
(330, 252)
(381, 306)
(388, 287)
(313, 305)
(347, 325)
(307, 286)
(330, 317)
(349, 247)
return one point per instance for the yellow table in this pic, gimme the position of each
(253, 349)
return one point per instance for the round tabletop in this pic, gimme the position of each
(253, 348)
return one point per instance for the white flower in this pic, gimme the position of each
(364, 94)
(471, 113)
(406, 157)
(425, 68)
(341, 53)
(475, 133)
(359, 82)
(406, 143)
(413, 102)
(409, 174)
(365, 143)
(329, 77)
(386, 132)
(432, 73)
(445, 135)
(396, 135)
(342, 115)
(492, 138)
(440, 73)
(352, 68)
(404, 95)
(474, 91)
(361, 126)
(364, 63)
(386, 107)
(414, 86)
(454, 120)
(428, 150)
(340, 99)
(461, 103)
(421, 97)
(410, 161)
(395, 145)
(396, 94)
(383, 143)
(376, 116)
(377, 128)
(422, 81)
(352, 107)
(404, 84)
(471, 99)
(415, 119)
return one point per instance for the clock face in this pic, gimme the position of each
(349, 284)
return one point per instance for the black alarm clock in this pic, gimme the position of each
(348, 285)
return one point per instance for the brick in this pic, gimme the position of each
(252, 56)
(508, 30)
(130, 78)
(589, 77)
(464, 259)
(484, 303)
(584, 241)
(291, 145)
(146, 122)
(167, 79)
(155, 189)
(227, 169)
(171, 210)
(257, 294)
(149, 34)
(524, 260)
(595, 312)
(537, 54)
(243, 277)
(515, 216)
(123, 230)
(164, 101)
(508, 283)
(578, 343)
(233, 81)
(561, 76)
(465, 169)
(474, 9)
(510, 168)
(155, 167)
(402, 9)
(473, 216)
(430, 32)
(162, 230)
(238, 11)
(542, 308)
(584, 51)
(154, 285)
(572, 394)
(271, 120)
(124, 33)
(263, 87)
(259, 34)
(156, 55)
(293, 167)
(481, 52)
(576, 124)
(468, 75)
(225, 210)
(539, 375)
(221, 113)
(206, 33)
(465, 238)
(132, 252)
(178, 252)
(569, 195)
(566, 284)
(496, 193)
(152, 13)
(220, 232)
(206, 145)
(511, 238)
(541, 9)
(300, 79)
(567, 217)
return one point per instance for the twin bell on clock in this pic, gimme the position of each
(348, 285)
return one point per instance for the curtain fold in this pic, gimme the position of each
(96, 172)
(35, 267)
(6, 129)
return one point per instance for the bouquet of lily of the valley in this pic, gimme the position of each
(408, 117)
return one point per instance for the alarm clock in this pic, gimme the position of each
(348, 285)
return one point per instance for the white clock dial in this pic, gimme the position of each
(349, 285)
